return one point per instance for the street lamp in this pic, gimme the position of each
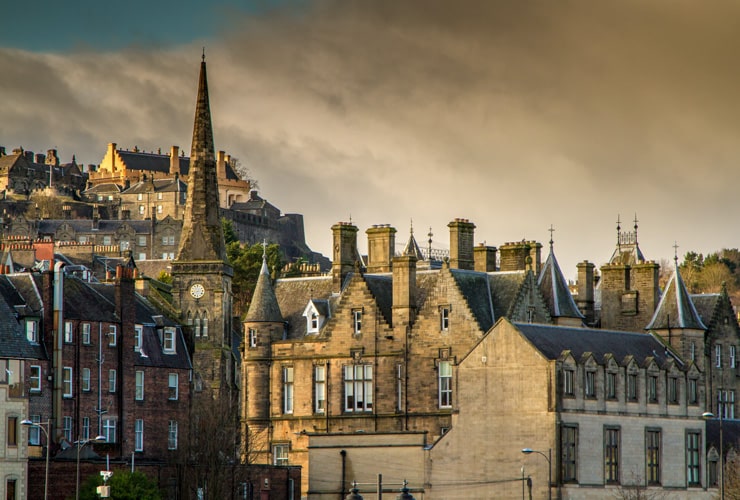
(709, 415)
(80, 445)
(547, 457)
(44, 427)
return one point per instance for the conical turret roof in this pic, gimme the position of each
(554, 289)
(264, 306)
(676, 309)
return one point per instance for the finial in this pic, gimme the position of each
(412, 226)
(264, 249)
(350, 217)
(636, 227)
(619, 228)
(430, 243)
(675, 253)
(552, 230)
(203, 57)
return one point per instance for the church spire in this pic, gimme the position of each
(202, 235)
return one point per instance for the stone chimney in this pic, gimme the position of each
(345, 252)
(175, 160)
(28, 155)
(2, 151)
(520, 255)
(221, 165)
(485, 258)
(585, 284)
(462, 232)
(381, 245)
(40, 158)
(404, 290)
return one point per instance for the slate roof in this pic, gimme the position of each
(104, 188)
(504, 290)
(20, 290)
(551, 341)
(706, 304)
(381, 286)
(264, 306)
(555, 290)
(322, 307)
(83, 301)
(152, 354)
(155, 162)
(293, 295)
(475, 287)
(158, 186)
(13, 341)
(676, 309)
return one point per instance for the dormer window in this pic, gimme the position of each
(316, 314)
(32, 330)
(168, 342)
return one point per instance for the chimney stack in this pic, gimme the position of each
(345, 252)
(585, 298)
(221, 165)
(40, 158)
(462, 232)
(485, 258)
(520, 255)
(404, 290)
(175, 160)
(381, 245)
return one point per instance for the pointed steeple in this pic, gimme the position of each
(264, 306)
(412, 248)
(554, 288)
(202, 235)
(676, 309)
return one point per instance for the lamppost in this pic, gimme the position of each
(44, 427)
(80, 445)
(709, 415)
(547, 457)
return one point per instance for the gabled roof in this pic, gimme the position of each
(156, 162)
(13, 341)
(321, 306)
(294, 293)
(529, 301)
(157, 186)
(475, 289)
(551, 341)
(264, 306)
(555, 289)
(676, 309)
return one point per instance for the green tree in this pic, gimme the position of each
(164, 277)
(247, 262)
(230, 235)
(124, 485)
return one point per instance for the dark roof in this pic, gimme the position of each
(83, 301)
(412, 248)
(21, 291)
(293, 295)
(504, 290)
(552, 341)
(157, 186)
(706, 305)
(676, 309)
(322, 307)
(108, 187)
(264, 306)
(555, 290)
(50, 226)
(381, 286)
(155, 162)
(13, 341)
(475, 288)
(152, 354)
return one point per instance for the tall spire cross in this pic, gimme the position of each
(675, 252)
(552, 230)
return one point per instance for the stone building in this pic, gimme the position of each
(23, 172)
(373, 350)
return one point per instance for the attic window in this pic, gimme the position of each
(168, 343)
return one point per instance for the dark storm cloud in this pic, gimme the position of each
(513, 114)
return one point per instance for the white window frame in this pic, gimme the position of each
(280, 454)
(288, 389)
(252, 337)
(67, 387)
(139, 391)
(85, 428)
(34, 431)
(68, 332)
(35, 378)
(173, 382)
(445, 384)
(319, 391)
(139, 435)
(112, 380)
(32, 330)
(85, 333)
(168, 341)
(718, 355)
(172, 435)
(67, 427)
(444, 319)
(141, 241)
(109, 429)
(85, 379)
(112, 335)
(358, 388)
(138, 337)
(732, 357)
(357, 321)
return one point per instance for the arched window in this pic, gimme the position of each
(197, 325)
(205, 324)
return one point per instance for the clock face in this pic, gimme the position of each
(197, 291)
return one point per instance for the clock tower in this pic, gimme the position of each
(201, 274)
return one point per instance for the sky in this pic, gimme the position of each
(517, 116)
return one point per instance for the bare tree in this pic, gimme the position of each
(244, 173)
(636, 489)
